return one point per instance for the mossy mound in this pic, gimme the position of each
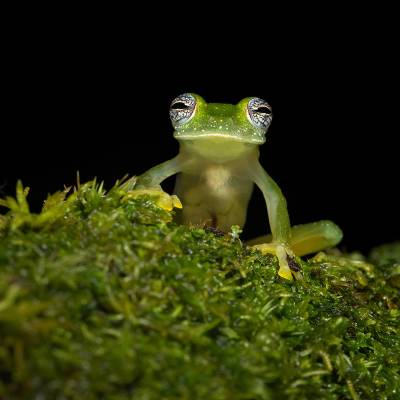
(103, 297)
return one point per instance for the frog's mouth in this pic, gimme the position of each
(221, 137)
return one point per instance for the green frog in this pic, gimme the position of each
(217, 167)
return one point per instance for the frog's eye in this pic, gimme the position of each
(182, 109)
(259, 113)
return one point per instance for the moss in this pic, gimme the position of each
(103, 296)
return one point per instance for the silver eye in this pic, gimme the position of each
(259, 113)
(182, 109)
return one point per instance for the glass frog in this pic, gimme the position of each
(217, 167)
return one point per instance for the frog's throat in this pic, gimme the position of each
(218, 149)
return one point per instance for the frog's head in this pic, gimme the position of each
(245, 122)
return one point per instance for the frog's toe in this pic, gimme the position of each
(288, 266)
(162, 199)
(168, 202)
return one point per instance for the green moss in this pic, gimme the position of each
(103, 296)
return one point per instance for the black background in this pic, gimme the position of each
(95, 98)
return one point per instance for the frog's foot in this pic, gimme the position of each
(288, 267)
(162, 199)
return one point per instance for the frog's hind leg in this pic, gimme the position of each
(313, 237)
(309, 238)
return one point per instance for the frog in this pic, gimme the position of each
(217, 168)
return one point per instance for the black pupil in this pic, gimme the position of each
(263, 110)
(179, 105)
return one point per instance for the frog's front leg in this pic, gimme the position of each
(149, 183)
(279, 222)
(153, 177)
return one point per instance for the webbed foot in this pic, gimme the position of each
(162, 199)
(288, 266)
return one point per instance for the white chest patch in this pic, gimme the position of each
(217, 178)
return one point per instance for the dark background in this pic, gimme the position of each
(97, 101)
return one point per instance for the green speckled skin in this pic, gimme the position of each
(217, 167)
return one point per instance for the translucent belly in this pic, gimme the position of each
(216, 197)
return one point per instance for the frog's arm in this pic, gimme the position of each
(279, 222)
(276, 204)
(149, 183)
(154, 176)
